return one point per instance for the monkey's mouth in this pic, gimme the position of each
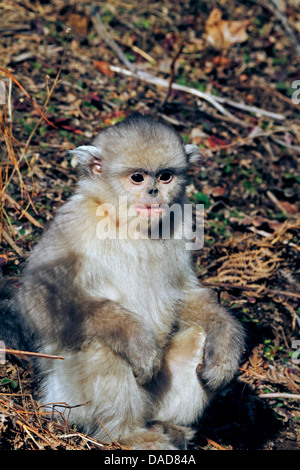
(149, 210)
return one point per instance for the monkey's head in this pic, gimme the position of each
(139, 158)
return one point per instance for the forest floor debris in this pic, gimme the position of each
(226, 75)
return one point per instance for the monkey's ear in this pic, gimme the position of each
(89, 159)
(194, 154)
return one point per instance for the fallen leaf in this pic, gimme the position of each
(218, 191)
(221, 61)
(222, 34)
(103, 67)
(3, 260)
(214, 141)
(78, 23)
(289, 208)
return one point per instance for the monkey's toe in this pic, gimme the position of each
(147, 439)
(187, 348)
(179, 435)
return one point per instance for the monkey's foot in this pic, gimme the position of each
(149, 439)
(185, 399)
(186, 349)
(179, 435)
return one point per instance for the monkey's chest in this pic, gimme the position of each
(151, 291)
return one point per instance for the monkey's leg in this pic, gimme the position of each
(202, 357)
(105, 399)
(182, 398)
(224, 337)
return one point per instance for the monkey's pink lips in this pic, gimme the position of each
(149, 210)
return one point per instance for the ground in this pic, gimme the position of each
(60, 86)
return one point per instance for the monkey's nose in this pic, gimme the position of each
(153, 192)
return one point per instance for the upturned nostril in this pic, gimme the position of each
(153, 192)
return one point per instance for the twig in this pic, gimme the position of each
(50, 93)
(213, 443)
(107, 432)
(26, 427)
(16, 352)
(172, 70)
(17, 206)
(15, 247)
(101, 30)
(136, 49)
(280, 395)
(279, 95)
(250, 109)
(295, 148)
(11, 76)
(276, 202)
(40, 447)
(272, 7)
(225, 285)
(213, 100)
(82, 436)
(148, 78)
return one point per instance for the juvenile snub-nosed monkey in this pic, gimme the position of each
(125, 311)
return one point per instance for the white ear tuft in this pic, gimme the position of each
(84, 155)
(193, 152)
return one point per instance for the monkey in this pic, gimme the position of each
(145, 346)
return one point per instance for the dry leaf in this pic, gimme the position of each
(218, 191)
(78, 23)
(246, 268)
(221, 61)
(3, 260)
(289, 208)
(103, 67)
(222, 34)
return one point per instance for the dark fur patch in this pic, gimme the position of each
(14, 329)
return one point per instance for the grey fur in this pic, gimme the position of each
(128, 315)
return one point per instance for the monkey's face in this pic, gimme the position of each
(138, 159)
(149, 193)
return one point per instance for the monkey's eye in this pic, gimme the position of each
(137, 178)
(165, 177)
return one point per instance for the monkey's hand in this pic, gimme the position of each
(126, 334)
(144, 355)
(224, 337)
(144, 369)
(222, 351)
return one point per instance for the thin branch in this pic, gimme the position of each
(250, 109)
(17, 206)
(104, 34)
(272, 7)
(280, 395)
(275, 201)
(82, 436)
(16, 352)
(213, 100)
(226, 285)
(15, 247)
(213, 443)
(148, 78)
(11, 76)
(172, 70)
(295, 148)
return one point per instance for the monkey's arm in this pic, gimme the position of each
(224, 337)
(124, 332)
(63, 314)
